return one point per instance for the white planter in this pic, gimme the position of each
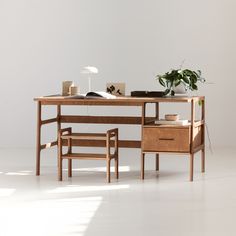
(180, 89)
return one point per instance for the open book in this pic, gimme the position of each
(99, 94)
(87, 95)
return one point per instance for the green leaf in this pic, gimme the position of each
(168, 84)
(196, 74)
(193, 78)
(186, 80)
(177, 82)
(181, 73)
(161, 81)
(194, 86)
(172, 93)
(187, 72)
(167, 91)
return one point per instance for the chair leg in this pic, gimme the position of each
(69, 167)
(59, 161)
(108, 170)
(60, 169)
(191, 167)
(69, 160)
(117, 167)
(117, 153)
(142, 165)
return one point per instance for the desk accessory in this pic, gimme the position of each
(180, 81)
(66, 87)
(171, 117)
(147, 94)
(89, 70)
(117, 89)
(73, 90)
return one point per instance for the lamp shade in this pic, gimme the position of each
(89, 70)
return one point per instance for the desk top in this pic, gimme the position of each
(118, 101)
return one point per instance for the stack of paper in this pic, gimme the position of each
(170, 122)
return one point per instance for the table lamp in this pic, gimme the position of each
(89, 70)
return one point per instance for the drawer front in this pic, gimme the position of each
(166, 139)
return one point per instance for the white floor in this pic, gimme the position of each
(165, 203)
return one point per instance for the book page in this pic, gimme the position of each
(100, 94)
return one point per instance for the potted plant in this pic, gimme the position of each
(176, 78)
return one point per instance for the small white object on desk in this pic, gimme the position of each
(172, 117)
(74, 90)
(66, 87)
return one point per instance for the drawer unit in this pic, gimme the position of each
(166, 139)
(197, 136)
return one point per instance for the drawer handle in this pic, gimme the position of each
(167, 139)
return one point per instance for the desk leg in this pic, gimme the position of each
(58, 128)
(157, 117)
(58, 117)
(143, 154)
(203, 137)
(191, 167)
(142, 165)
(192, 139)
(38, 138)
(203, 159)
(157, 162)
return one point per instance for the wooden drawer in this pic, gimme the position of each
(166, 139)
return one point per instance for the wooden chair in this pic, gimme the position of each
(110, 139)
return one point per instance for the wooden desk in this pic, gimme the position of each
(196, 129)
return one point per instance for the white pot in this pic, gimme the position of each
(180, 89)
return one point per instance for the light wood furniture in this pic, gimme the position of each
(193, 135)
(187, 139)
(110, 138)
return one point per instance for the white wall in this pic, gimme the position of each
(43, 42)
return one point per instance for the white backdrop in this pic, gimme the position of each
(43, 42)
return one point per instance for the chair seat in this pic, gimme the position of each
(82, 136)
(88, 156)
